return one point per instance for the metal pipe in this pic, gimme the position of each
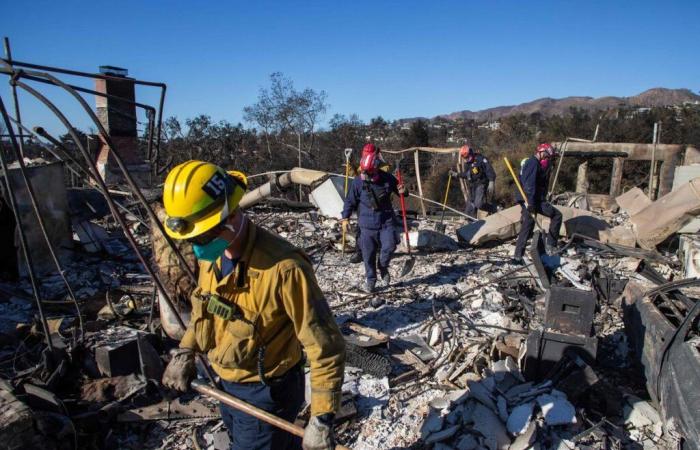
(115, 212)
(41, 132)
(22, 237)
(8, 55)
(297, 175)
(78, 73)
(26, 75)
(229, 400)
(61, 157)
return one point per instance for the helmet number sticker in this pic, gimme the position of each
(216, 185)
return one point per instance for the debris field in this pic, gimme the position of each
(594, 346)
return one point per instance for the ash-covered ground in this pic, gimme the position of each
(435, 358)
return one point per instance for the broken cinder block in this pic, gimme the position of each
(116, 359)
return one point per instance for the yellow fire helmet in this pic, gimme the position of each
(198, 196)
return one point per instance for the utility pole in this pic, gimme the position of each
(652, 172)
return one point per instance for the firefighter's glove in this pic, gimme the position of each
(453, 173)
(491, 189)
(401, 189)
(318, 434)
(531, 209)
(180, 370)
(344, 225)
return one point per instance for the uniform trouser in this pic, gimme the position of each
(357, 242)
(283, 397)
(477, 198)
(527, 224)
(384, 241)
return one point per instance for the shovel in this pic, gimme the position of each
(440, 227)
(348, 152)
(411, 261)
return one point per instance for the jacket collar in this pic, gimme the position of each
(239, 272)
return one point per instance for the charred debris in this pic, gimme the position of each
(594, 347)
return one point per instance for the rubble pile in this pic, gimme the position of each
(469, 350)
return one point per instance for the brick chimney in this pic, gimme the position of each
(119, 119)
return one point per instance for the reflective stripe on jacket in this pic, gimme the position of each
(273, 286)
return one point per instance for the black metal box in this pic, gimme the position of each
(569, 311)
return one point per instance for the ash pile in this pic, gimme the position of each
(595, 346)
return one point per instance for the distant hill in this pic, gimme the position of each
(553, 106)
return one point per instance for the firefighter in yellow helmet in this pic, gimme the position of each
(256, 306)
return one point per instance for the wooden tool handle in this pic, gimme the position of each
(228, 399)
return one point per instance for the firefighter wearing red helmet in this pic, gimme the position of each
(534, 178)
(370, 195)
(481, 179)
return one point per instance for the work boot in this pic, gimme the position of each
(368, 286)
(517, 260)
(385, 279)
(356, 258)
(550, 247)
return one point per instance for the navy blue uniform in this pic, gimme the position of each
(478, 174)
(376, 220)
(535, 182)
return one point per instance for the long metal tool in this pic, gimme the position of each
(348, 152)
(440, 227)
(228, 399)
(522, 192)
(411, 261)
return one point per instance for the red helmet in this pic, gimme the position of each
(547, 149)
(466, 152)
(370, 158)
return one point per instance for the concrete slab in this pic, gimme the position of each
(505, 224)
(620, 235)
(520, 418)
(556, 410)
(667, 215)
(490, 426)
(633, 201)
(328, 197)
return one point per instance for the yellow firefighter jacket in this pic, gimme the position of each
(274, 289)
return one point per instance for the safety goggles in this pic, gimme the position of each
(207, 236)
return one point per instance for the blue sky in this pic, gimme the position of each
(390, 58)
